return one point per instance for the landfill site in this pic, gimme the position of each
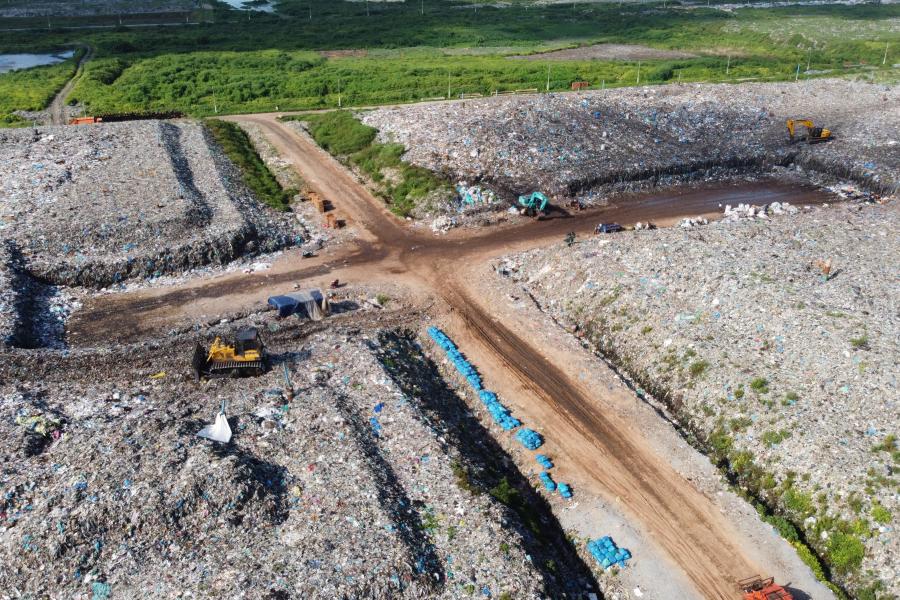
(670, 372)
(584, 147)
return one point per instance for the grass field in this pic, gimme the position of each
(402, 185)
(245, 62)
(32, 89)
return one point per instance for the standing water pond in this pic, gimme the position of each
(14, 62)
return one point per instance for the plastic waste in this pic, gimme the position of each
(219, 431)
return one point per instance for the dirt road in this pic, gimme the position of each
(57, 108)
(685, 524)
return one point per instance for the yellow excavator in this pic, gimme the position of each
(246, 356)
(814, 135)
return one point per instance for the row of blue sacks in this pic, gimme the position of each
(607, 553)
(462, 365)
(551, 486)
(500, 413)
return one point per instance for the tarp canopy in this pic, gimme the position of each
(309, 303)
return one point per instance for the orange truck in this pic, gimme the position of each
(85, 120)
(757, 588)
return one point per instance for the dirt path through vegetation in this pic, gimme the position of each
(57, 108)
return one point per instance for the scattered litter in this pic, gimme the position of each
(219, 431)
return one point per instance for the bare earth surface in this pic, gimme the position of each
(607, 52)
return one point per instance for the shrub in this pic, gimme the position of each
(845, 552)
(881, 514)
(760, 385)
(860, 343)
(698, 367)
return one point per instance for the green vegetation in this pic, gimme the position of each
(402, 185)
(463, 480)
(32, 89)
(740, 423)
(860, 343)
(508, 495)
(339, 132)
(240, 62)
(760, 385)
(698, 367)
(773, 438)
(254, 172)
(382, 299)
(881, 515)
(845, 552)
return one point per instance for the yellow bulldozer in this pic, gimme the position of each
(246, 356)
(814, 135)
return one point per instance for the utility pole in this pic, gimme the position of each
(423, 8)
(728, 66)
(797, 76)
(548, 77)
(639, 73)
(808, 57)
(884, 60)
(339, 91)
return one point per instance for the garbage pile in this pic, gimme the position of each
(96, 205)
(574, 145)
(474, 194)
(691, 222)
(443, 224)
(751, 211)
(107, 488)
(778, 336)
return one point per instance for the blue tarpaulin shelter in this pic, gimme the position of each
(311, 304)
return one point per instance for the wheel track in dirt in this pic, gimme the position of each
(684, 523)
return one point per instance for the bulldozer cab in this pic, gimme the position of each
(245, 340)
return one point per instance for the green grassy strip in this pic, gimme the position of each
(254, 172)
(403, 185)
